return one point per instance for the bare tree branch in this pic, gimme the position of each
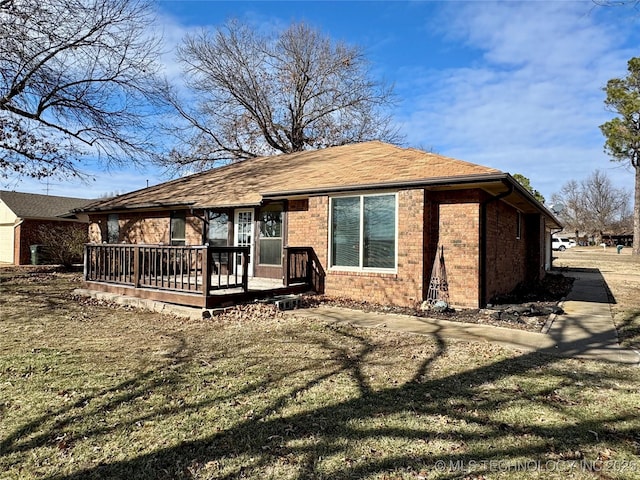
(593, 205)
(261, 95)
(78, 79)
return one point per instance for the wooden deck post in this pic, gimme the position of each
(309, 251)
(285, 266)
(206, 274)
(136, 266)
(245, 269)
(85, 270)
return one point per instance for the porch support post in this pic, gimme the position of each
(285, 266)
(308, 273)
(136, 266)
(206, 274)
(245, 269)
(85, 270)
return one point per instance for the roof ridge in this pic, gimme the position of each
(241, 183)
(13, 192)
(35, 205)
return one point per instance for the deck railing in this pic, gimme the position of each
(196, 269)
(204, 275)
(303, 266)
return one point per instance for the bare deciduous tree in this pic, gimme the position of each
(593, 205)
(77, 78)
(258, 95)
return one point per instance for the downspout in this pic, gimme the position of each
(483, 240)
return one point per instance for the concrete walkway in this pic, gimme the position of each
(585, 331)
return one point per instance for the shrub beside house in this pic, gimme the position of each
(28, 219)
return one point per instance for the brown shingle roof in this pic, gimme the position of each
(33, 205)
(354, 166)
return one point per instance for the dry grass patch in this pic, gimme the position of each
(93, 391)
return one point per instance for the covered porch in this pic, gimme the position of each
(198, 276)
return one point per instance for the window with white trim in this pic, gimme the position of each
(363, 232)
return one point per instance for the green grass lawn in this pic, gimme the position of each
(91, 391)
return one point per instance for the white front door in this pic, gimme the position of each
(243, 234)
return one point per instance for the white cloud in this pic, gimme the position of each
(532, 101)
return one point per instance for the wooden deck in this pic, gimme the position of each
(201, 276)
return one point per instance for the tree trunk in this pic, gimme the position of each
(636, 214)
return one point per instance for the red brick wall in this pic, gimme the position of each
(95, 231)
(454, 223)
(193, 229)
(426, 220)
(535, 246)
(404, 288)
(310, 227)
(506, 260)
(460, 239)
(145, 228)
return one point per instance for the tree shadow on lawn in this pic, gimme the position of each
(301, 442)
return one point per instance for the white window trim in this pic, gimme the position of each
(359, 269)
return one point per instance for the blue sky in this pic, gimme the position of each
(512, 85)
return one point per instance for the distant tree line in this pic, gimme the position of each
(593, 206)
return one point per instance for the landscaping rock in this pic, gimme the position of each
(440, 306)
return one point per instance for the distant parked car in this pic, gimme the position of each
(569, 242)
(560, 244)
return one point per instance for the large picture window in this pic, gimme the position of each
(363, 232)
(271, 235)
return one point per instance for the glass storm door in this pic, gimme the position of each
(243, 235)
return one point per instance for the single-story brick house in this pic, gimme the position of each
(374, 214)
(23, 215)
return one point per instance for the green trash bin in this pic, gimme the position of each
(37, 254)
(619, 247)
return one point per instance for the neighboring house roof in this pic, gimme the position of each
(352, 167)
(32, 205)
